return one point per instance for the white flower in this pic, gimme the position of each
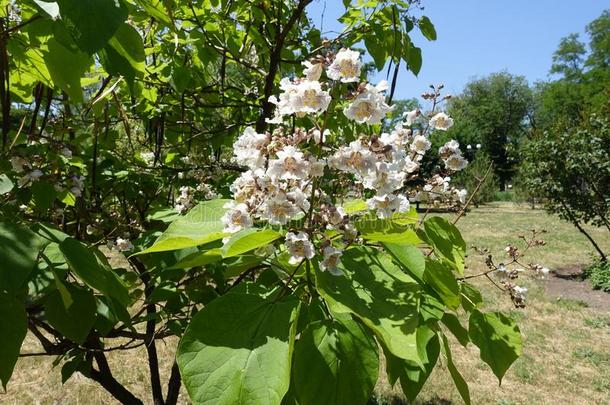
(236, 217)
(247, 149)
(334, 216)
(298, 198)
(30, 177)
(355, 158)
(66, 152)
(310, 98)
(289, 165)
(441, 121)
(319, 137)
(384, 179)
(455, 162)
(185, 200)
(299, 98)
(17, 163)
(90, 229)
(387, 205)
(313, 71)
(278, 209)
(123, 245)
(449, 148)
(148, 158)
(78, 185)
(299, 247)
(462, 194)
(316, 167)
(207, 191)
(331, 260)
(369, 106)
(410, 117)
(346, 66)
(518, 294)
(397, 138)
(420, 144)
(246, 185)
(410, 166)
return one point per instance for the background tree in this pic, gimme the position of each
(495, 112)
(566, 161)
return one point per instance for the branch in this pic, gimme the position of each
(476, 190)
(274, 62)
(173, 387)
(149, 339)
(104, 377)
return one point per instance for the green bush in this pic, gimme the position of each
(599, 275)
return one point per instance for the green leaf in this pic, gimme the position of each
(67, 198)
(410, 257)
(19, 249)
(86, 265)
(471, 297)
(201, 225)
(93, 22)
(458, 380)
(412, 55)
(51, 8)
(427, 28)
(13, 328)
(376, 49)
(352, 206)
(335, 363)
(499, 339)
(199, 259)
(453, 324)
(247, 240)
(412, 378)
(74, 322)
(43, 194)
(442, 280)
(387, 230)
(380, 294)
(447, 241)
(6, 185)
(237, 350)
(155, 9)
(124, 53)
(67, 75)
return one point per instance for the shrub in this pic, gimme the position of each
(599, 275)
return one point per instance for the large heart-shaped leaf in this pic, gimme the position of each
(95, 274)
(13, 327)
(237, 350)
(378, 292)
(447, 241)
(201, 225)
(335, 363)
(19, 249)
(412, 378)
(247, 240)
(498, 337)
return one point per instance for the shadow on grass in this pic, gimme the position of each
(397, 400)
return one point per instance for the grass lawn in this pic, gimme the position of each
(566, 356)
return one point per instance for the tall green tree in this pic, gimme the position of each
(495, 112)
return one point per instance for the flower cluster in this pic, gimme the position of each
(290, 170)
(507, 273)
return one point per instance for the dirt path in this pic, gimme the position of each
(567, 283)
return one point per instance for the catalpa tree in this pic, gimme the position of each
(216, 171)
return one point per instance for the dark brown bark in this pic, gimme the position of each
(275, 60)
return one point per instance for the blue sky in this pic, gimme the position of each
(478, 37)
